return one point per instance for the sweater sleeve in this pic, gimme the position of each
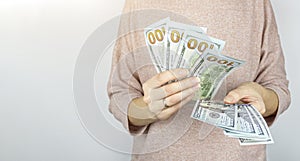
(124, 84)
(271, 71)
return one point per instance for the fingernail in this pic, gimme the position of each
(228, 99)
(262, 111)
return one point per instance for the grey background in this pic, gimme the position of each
(39, 44)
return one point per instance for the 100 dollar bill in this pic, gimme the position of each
(264, 129)
(193, 45)
(244, 126)
(155, 36)
(212, 69)
(222, 117)
(175, 33)
(237, 121)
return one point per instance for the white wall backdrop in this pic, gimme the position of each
(39, 44)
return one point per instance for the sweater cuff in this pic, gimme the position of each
(283, 103)
(121, 114)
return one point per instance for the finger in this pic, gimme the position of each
(259, 106)
(256, 102)
(166, 76)
(173, 88)
(237, 94)
(249, 99)
(157, 106)
(168, 112)
(178, 97)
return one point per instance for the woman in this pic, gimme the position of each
(158, 114)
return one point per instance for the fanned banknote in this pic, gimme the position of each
(222, 117)
(244, 124)
(193, 45)
(156, 43)
(175, 33)
(212, 69)
(266, 137)
(241, 121)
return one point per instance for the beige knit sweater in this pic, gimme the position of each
(250, 32)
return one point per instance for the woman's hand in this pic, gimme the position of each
(264, 100)
(162, 100)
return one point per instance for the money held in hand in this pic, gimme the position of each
(240, 121)
(175, 45)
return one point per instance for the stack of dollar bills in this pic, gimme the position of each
(241, 121)
(175, 45)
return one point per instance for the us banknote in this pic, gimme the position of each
(212, 69)
(240, 121)
(175, 33)
(266, 137)
(193, 45)
(244, 126)
(155, 36)
(222, 117)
